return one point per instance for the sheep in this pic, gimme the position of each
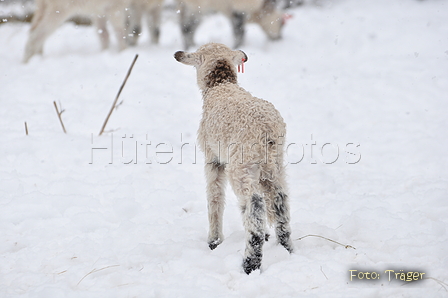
(152, 9)
(262, 12)
(241, 136)
(50, 14)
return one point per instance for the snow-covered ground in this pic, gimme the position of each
(363, 88)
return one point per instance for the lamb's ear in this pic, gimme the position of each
(239, 57)
(188, 58)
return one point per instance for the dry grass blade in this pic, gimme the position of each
(114, 105)
(26, 128)
(323, 272)
(441, 283)
(95, 270)
(344, 245)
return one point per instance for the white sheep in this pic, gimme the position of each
(50, 14)
(262, 12)
(241, 137)
(152, 10)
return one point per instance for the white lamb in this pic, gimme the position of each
(50, 14)
(240, 136)
(262, 12)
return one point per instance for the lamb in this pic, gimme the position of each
(50, 14)
(262, 12)
(241, 136)
(152, 9)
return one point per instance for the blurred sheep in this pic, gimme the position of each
(50, 14)
(262, 12)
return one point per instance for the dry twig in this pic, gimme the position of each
(118, 95)
(344, 245)
(26, 128)
(59, 116)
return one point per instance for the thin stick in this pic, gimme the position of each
(95, 270)
(346, 246)
(59, 116)
(118, 95)
(323, 272)
(26, 128)
(441, 283)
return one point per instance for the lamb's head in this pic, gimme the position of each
(270, 19)
(215, 64)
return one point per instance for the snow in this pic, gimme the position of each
(362, 86)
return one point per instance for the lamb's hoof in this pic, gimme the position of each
(285, 240)
(26, 58)
(252, 263)
(214, 243)
(289, 248)
(286, 243)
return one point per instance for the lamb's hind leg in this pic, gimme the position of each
(216, 180)
(245, 183)
(281, 213)
(278, 211)
(254, 215)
